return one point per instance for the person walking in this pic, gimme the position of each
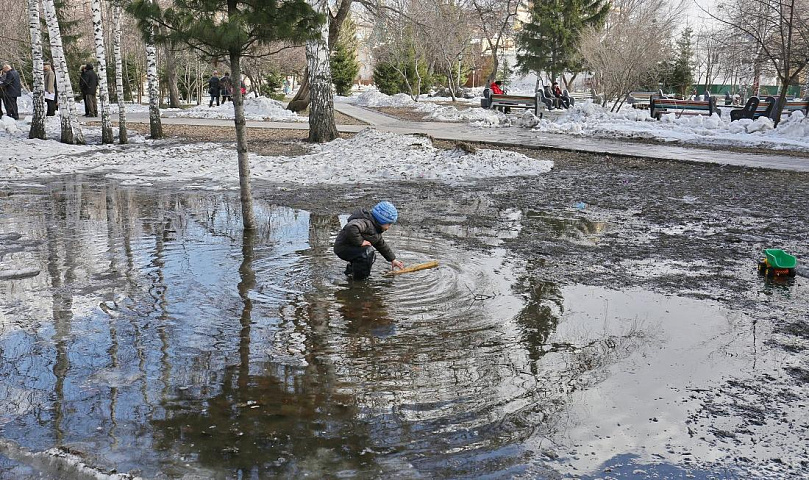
(213, 89)
(90, 81)
(361, 235)
(12, 89)
(83, 90)
(2, 91)
(226, 87)
(50, 90)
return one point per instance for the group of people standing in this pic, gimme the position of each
(88, 84)
(10, 89)
(221, 87)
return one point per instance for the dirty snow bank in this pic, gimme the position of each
(369, 157)
(256, 109)
(588, 119)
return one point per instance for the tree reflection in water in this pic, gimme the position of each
(189, 346)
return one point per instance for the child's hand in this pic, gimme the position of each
(365, 243)
(396, 264)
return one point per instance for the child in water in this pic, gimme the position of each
(361, 235)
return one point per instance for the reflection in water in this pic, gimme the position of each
(576, 228)
(164, 339)
(363, 309)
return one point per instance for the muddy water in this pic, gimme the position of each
(144, 332)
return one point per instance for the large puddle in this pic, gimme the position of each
(143, 332)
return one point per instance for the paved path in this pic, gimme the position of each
(521, 137)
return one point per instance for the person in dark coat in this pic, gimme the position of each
(12, 89)
(90, 81)
(226, 88)
(361, 235)
(83, 90)
(2, 91)
(213, 88)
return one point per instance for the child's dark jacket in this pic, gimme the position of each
(362, 226)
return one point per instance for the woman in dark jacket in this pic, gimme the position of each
(361, 235)
(213, 89)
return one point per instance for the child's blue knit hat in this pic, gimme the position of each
(384, 212)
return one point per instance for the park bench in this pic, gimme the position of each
(582, 96)
(642, 99)
(660, 106)
(753, 109)
(796, 105)
(493, 100)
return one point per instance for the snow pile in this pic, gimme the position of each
(25, 103)
(452, 114)
(375, 98)
(373, 156)
(256, 109)
(369, 157)
(128, 106)
(589, 119)
(9, 125)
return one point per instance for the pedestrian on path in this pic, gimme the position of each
(361, 235)
(213, 88)
(226, 87)
(12, 90)
(89, 80)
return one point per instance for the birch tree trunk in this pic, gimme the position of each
(101, 60)
(248, 217)
(38, 122)
(155, 127)
(321, 109)
(119, 74)
(71, 130)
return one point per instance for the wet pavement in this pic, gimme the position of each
(602, 321)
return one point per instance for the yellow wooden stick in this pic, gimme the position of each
(414, 268)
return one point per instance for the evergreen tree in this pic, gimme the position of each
(344, 64)
(682, 76)
(550, 41)
(387, 78)
(230, 28)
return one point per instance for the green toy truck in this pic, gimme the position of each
(777, 263)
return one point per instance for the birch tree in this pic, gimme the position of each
(119, 74)
(101, 60)
(302, 98)
(155, 126)
(71, 130)
(38, 122)
(321, 108)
